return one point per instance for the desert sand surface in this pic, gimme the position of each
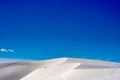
(59, 69)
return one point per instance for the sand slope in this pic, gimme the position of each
(60, 69)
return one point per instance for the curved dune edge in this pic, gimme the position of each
(60, 69)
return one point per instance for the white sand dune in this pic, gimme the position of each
(60, 69)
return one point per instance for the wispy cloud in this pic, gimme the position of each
(6, 50)
(11, 50)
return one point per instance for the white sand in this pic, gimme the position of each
(60, 69)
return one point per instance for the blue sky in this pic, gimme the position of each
(60, 28)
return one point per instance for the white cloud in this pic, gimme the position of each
(3, 50)
(6, 50)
